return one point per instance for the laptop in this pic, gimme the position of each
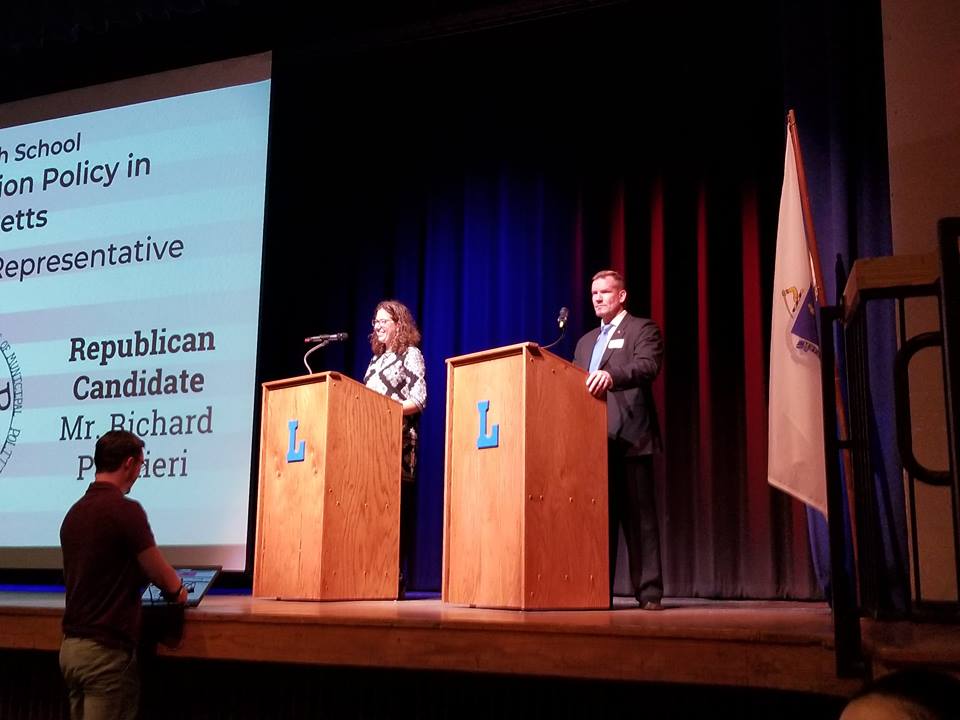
(197, 579)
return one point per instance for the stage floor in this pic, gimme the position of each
(774, 645)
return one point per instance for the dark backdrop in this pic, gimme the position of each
(480, 170)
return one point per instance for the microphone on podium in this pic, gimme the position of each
(335, 337)
(562, 324)
(322, 341)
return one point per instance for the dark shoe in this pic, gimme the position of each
(651, 605)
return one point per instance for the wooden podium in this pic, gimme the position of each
(328, 518)
(525, 503)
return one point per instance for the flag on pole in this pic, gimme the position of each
(795, 460)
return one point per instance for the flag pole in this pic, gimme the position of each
(842, 424)
(805, 205)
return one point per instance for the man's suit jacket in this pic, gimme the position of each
(631, 414)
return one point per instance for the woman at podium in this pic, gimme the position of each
(397, 370)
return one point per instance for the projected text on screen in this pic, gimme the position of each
(130, 252)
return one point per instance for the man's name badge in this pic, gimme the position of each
(614, 344)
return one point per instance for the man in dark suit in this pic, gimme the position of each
(623, 357)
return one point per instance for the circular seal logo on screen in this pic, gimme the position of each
(11, 401)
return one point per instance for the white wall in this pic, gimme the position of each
(921, 40)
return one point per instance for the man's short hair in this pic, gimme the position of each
(114, 447)
(617, 277)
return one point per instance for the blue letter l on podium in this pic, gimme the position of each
(295, 453)
(484, 440)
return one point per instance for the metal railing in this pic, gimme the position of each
(894, 278)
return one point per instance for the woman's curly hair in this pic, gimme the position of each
(407, 333)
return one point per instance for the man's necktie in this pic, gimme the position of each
(600, 346)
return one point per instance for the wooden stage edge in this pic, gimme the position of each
(772, 645)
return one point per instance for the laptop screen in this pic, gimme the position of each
(197, 579)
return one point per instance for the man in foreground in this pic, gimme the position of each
(108, 555)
